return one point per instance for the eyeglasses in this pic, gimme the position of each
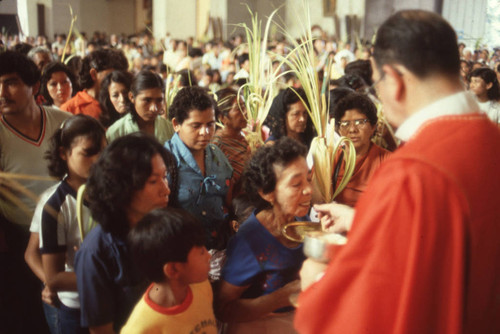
(358, 124)
(373, 87)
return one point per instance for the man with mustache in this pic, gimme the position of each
(25, 131)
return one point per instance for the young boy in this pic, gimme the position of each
(168, 247)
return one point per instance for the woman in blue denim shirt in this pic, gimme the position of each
(204, 171)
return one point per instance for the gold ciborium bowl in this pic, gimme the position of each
(296, 231)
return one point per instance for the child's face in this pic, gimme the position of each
(78, 159)
(479, 87)
(197, 266)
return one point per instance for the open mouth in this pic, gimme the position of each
(305, 204)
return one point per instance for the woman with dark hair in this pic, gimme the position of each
(128, 181)
(288, 117)
(113, 96)
(230, 112)
(356, 118)
(262, 265)
(204, 172)
(56, 84)
(484, 84)
(95, 67)
(147, 103)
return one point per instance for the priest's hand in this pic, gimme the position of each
(335, 217)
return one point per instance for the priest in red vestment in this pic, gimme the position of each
(423, 251)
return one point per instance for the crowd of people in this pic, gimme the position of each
(137, 211)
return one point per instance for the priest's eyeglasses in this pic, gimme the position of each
(358, 124)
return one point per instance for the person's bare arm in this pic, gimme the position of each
(230, 307)
(57, 278)
(33, 258)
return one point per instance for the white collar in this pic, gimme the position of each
(456, 104)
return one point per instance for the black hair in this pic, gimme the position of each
(72, 128)
(259, 173)
(421, 41)
(109, 114)
(142, 81)
(101, 60)
(361, 68)
(187, 78)
(23, 48)
(162, 236)
(24, 67)
(242, 207)
(276, 119)
(123, 169)
(357, 101)
(74, 63)
(352, 81)
(488, 76)
(187, 100)
(243, 58)
(47, 72)
(195, 52)
(335, 95)
(225, 101)
(219, 81)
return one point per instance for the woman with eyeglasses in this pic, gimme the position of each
(356, 118)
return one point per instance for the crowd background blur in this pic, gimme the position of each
(217, 63)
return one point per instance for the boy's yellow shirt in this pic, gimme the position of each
(194, 315)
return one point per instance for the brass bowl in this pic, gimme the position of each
(297, 231)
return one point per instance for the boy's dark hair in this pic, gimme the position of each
(357, 101)
(259, 173)
(123, 169)
(421, 41)
(101, 60)
(187, 100)
(15, 62)
(162, 236)
(64, 137)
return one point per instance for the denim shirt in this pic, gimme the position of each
(203, 196)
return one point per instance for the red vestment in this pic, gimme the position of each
(83, 103)
(363, 171)
(423, 254)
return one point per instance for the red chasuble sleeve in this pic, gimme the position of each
(402, 268)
